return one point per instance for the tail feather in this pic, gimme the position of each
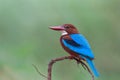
(92, 67)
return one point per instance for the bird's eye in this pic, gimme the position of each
(67, 27)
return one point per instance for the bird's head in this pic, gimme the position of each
(65, 29)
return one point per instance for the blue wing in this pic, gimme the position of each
(81, 46)
(84, 48)
(80, 39)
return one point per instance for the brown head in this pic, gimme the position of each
(66, 28)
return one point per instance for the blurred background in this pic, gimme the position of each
(25, 38)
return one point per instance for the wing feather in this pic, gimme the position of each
(84, 48)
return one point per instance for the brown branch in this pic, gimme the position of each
(53, 61)
(67, 57)
(39, 71)
(78, 60)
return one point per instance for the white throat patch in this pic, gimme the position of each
(64, 32)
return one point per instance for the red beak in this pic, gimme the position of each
(57, 28)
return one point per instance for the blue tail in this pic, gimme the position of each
(92, 67)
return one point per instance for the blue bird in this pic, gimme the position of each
(76, 44)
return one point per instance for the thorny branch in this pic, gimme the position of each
(79, 61)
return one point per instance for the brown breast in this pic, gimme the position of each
(65, 48)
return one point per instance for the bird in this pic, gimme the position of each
(76, 45)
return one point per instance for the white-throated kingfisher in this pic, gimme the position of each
(76, 44)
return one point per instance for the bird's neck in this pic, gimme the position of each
(64, 33)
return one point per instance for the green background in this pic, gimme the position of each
(25, 38)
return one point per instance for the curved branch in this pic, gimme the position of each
(78, 60)
(63, 58)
